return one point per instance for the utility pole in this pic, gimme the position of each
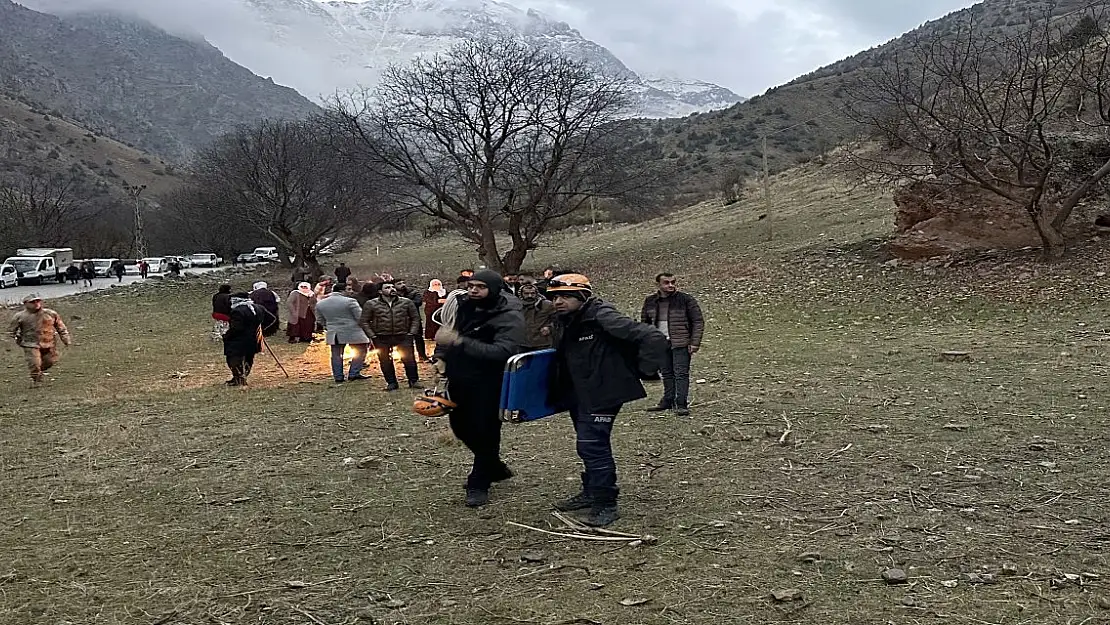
(140, 239)
(767, 192)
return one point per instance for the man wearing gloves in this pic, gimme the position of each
(601, 356)
(340, 315)
(488, 329)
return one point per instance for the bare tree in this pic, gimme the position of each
(495, 138)
(40, 208)
(285, 180)
(998, 113)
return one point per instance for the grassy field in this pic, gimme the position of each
(829, 444)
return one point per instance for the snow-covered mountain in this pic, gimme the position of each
(319, 48)
(703, 96)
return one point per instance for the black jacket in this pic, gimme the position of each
(602, 356)
(489, 337)
(244, 332)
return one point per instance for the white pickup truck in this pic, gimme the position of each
(37, 265)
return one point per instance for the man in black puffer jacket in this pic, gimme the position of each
(488, 330)
(601, 357)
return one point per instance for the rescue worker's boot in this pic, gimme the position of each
(580, 501)
(603, 510)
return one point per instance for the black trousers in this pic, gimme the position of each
(477, 423)
(240, 366)
(403, 345)
(593, 432)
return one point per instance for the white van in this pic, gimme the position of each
(265, 254)
(103, 266)
(34, 269)
(156, 265)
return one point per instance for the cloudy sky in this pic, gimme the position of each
(745, 45)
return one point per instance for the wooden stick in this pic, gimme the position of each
(579, 536)
(309, 615)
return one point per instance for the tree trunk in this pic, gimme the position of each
(487, 250)
(1052, 236)
(514, 258)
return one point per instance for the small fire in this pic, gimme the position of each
(348, 353)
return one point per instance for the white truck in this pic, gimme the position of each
(36, 265)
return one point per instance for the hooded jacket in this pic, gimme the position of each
(490, 330)
(601, 357)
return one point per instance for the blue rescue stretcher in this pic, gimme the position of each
(524, 395)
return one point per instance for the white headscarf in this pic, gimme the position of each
(258, 286)
(436, 286)
(305, 289)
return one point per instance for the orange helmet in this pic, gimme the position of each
(433, 403)
(570, 282)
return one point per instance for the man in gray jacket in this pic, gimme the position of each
(340, 316)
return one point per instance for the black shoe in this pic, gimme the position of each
(236, 382)
(358, 377)
(504, 474)
(581, 501)
(476, 497)
(340, 381)
(602, 514)
(415, 384)
(659, 408)
(682, 412)
(392, 387)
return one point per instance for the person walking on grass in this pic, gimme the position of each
(391, 322)
(301, 305)
(488, 329)
(539, 316)
(118, 269)
(144, 269)
(37, 330)
(341, 315)
(88, 273)
(678, 316)
(243, 338)
(601, 357)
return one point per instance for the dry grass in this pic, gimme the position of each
(144, 498)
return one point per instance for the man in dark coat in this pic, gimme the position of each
(678, 316)
(269, 307)
(488, 329)
(392, 322)
(601, 357)
(342, 272)
(243, 338)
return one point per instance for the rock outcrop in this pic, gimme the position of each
(939, 219)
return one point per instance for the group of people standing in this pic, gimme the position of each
(602, 355)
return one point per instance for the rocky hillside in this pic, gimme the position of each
(805, 118)
(131, 81)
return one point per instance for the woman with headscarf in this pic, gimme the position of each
(267, 302)
(434, 299)
(302, 316)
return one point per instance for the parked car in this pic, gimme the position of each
(156, 265)
(8, 276)
(265, 254)
(131, 266)
(206, 260)
(103, 266)
(181, 260)
(246, 258)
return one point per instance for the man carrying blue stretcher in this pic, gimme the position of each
(601, 357)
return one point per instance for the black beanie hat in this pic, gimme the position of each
(493, 280)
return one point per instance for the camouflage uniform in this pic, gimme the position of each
(36, 332)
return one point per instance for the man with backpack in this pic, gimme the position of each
(601, 358)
